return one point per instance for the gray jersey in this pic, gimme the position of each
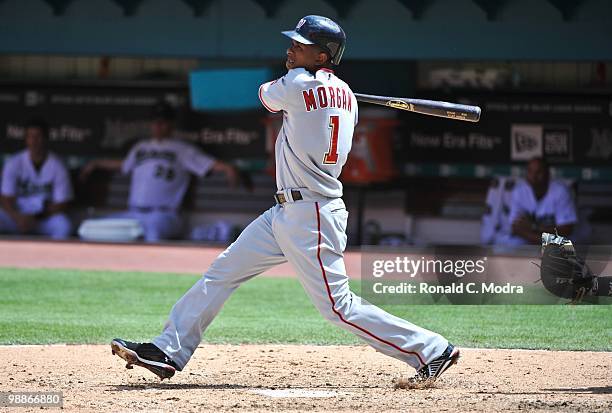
(320, 114)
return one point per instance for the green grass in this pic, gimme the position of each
(67, 306)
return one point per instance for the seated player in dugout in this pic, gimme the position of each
(538, 205)
(160, 169)
(36, 188)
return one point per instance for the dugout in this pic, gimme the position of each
(540, 70)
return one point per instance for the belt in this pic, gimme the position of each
(295, 194)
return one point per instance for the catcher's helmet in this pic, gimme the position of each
(323, 32)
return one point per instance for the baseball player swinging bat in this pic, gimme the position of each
(306, 226)
(427, 107)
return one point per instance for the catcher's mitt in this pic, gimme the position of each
(562, 272)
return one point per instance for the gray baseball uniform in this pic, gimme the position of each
(320, 112)
(33, 188)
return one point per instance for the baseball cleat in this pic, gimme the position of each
(430, 372)
(145, 355)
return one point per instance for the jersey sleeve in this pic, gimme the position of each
(565, 212)
(195, 161)
(9, 179)
(130, 161)
(272, 95)
(62, 187)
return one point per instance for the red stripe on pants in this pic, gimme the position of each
(334, 304)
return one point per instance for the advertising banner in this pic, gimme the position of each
(564, 129)
(91, 120)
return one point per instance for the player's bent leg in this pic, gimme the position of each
(57, 226)
(255, 251)
(315, 249)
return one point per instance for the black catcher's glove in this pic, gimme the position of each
(562, 272)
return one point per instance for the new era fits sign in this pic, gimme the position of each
(526, 142)
(553, 142)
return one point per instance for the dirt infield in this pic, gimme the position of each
(173, 258)
(246, 377)
(251, 377)
(183, 258)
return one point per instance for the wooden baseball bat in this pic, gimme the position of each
(427, 107)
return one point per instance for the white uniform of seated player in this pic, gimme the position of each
(36, 189)
(539, 204)
(160, 169)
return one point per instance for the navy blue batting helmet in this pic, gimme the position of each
(323, 32)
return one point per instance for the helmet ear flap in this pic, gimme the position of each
(336, 50)
(333, 48)
(337, 56)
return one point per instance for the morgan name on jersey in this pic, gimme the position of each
(324, 97)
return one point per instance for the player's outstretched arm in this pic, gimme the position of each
(105, 164)
(231, 172)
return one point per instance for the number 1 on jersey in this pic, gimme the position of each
(331, 156)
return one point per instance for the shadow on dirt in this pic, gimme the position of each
(586, 390)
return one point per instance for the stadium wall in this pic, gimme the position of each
(446, 29)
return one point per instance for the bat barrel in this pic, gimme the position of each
(428, 107)
(446, 109)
